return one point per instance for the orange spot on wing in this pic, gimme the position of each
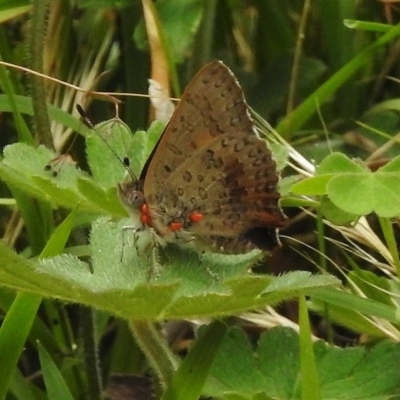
(196, 217)
(175, 226)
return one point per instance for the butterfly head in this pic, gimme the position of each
(130, 193)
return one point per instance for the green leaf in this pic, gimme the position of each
(23, 167)
(312, 186)
(127, 285)
(365, 192)
(111, 142)
(332, 165)
(103, 201)
(59, 238)
(335, 214)
(24, 105)
(106, 147)
(366, 26)
(358, 374)
(324, 93)
(338, 162)
(280, 154)
(354, 189)
(22, 389)
(356, 303)
(55, 384)
(230, 372)
(13, 335)
(392, 166)
(180, 22)
(358, 191)
(272, 370)
(189, 379)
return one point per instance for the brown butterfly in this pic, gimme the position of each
(210, 178)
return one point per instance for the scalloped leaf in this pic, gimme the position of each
(355, 189)
(338, 162)
(111, 142)
(336, 214)
(332, 165)
(365, 192)
(137, 287)
(272, 371)
(23, 167)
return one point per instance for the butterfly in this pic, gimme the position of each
(210, 179)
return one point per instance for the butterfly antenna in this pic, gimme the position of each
(124, 161)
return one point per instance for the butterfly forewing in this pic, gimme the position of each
(212, 104)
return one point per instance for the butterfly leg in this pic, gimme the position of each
(136, 230)
(146, 244)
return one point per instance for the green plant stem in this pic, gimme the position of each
(36, 49)
(321, 240)
(92, 364)
(387, 229)
(24, 135)
(204, 40)
(294, 75)
(310, 385)
(323, 266)
(155, 349)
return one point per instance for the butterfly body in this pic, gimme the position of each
(210, 179)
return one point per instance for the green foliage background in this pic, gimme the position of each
(324, 74)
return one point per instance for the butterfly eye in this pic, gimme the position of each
(137, 197)
(131, 196)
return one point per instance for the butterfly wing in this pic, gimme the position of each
(210, 161)
(233, 184)
(212, 104)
